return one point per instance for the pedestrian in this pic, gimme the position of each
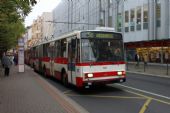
(6, 63)
(145, 59)
(15, 59)
(137, 59)
(12, 59)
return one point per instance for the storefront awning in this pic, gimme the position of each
(155, 43)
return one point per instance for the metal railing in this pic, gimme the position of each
(149, 68)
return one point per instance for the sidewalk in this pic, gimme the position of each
(29, 93)
(153, 69)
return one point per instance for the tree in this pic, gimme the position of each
(12, 15)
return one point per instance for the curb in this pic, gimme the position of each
(147, 74)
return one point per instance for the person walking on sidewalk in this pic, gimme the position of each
(137, 59)
(6, 63)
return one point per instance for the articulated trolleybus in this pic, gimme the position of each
(82, 58)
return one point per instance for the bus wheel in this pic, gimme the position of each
(65, 79)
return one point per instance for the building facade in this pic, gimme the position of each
(147, 29)
(41, 29)
(145, 24)
(72, 15)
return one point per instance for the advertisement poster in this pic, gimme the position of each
(21, 55)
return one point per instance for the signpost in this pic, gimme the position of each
(21, 67)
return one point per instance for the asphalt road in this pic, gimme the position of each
(140, 94)
(157, 85)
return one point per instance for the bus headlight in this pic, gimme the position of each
(89, 75)
(119, 73)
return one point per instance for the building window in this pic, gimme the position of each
(126, 21)
(138, 21)
(132, 19)
(110, 18)
(158, 14)
(145, 16)
(119, 22)
(102, 20)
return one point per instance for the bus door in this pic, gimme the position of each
(72, 60)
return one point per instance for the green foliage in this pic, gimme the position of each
(12, 14)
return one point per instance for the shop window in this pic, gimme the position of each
(138, 21)
(145, 16)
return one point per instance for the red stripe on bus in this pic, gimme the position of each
(104, 74)
(61, 60)
(99, 63)
(79, 81)
(45, 59)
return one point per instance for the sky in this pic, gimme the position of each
(39, 8)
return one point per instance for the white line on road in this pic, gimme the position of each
(144, 91)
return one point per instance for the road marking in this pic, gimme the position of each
(145, 95)
(145, 91)
(122, 97)
(145, 106)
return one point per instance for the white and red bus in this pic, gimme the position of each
(82, 58)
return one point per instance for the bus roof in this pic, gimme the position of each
(74, 33)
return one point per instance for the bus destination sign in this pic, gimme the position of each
(100, 35)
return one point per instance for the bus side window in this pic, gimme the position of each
(63, 48)
(78, 51)
(73, 53)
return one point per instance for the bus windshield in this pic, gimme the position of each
(101, 49)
